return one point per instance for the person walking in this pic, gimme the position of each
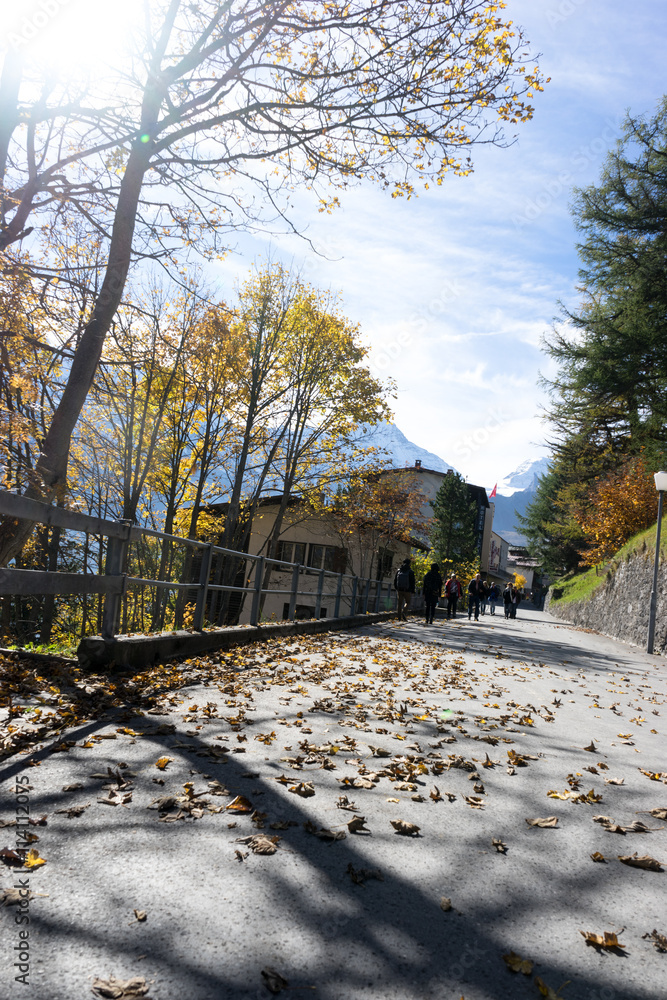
(492, 597)
(453, 591)
(483, 598)
(507, 600)
(516, 601)
(475, 594)
(432, 590)
(404, 582)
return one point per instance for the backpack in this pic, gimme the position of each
(403, 579)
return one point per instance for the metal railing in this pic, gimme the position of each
(350, 594)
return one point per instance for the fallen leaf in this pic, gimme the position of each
(359, 875)
(445, 904)
(596, 856)
(241, 855)
(140, 916)
(344, 803)
(614, 781)
(162, 762)
(591, 747)
(546, 991)
(73, 811)
(499, 845)
(404, 828)
(33, 860)
(658, 813)
(14, 897)
(608, 939)
(515, 963)
(659, 940)
(358, 825)
(240, 805)
(273, 981)
(305, 789)
(393, 800)
(642, 861)
(120, 989)
(259, 843)
(545, 821)
(435, 794)
(72, 788)
(474, 801)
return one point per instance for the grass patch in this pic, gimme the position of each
(583, 585)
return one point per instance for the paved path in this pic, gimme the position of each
(349, 712)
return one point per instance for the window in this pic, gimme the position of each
(291, 552)
(303, 612)
(385, 563)
(329, 557)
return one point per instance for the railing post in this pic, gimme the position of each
(259, 577)
(353, 599)
(114, 565)
(339, 591)
(367, 594)
(320, 588)
(378, 594)
(204, 577)
(296, 572)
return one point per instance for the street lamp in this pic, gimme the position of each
(661, 486)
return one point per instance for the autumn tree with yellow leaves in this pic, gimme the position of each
(617, 506)
(158, 157)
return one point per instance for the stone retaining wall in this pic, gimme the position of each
(620, 607)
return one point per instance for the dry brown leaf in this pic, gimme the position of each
(474, 801)
(259, 843)
(614, 781)
(120, 989)
(323, 832)
(305, 789)
(359, 875)
(445, 904)
(72, 788)
(241, 855)
(162, 762)
(660, 813)
(240, 805)
(73, 811)
(596, 856)
(659, 940)
(546, 991)
(435, 794)
(273, 981)
(14, 897)
(515, 963)
(543, 822)
(358, 825)
(642, 861)
(344, 803)
(591, 747)
(608, 939)
(499, 845)
(404, 828)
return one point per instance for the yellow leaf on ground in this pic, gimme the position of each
(162, 762)
(515, 963)
(32, 859)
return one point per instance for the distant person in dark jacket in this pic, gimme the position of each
(507, 600)
(453, 591)
(404, 582)
(475, 595)
(432, 591)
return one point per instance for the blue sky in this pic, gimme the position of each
(455, 289)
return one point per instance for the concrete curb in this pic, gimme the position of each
(137, 651)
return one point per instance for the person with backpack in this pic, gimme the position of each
(404, 582)
(432, 590)
(453, 591)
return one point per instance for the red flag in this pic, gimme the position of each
(493, 492)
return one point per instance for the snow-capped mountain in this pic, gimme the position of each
(401, 451)
(525, 477)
